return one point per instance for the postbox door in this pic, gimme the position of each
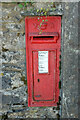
(44, 69)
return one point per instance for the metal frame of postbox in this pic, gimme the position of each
(35, 43)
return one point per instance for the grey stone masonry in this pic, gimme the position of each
(70, 61)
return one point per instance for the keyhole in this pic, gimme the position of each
(38, 80)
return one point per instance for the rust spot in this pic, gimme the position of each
(23, 79)
(18, 34)
(4, 49)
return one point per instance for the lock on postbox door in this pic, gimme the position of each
(43, 39)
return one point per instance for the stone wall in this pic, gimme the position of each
(13, 90)
(70, 61)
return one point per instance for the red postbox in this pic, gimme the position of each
(43, 39)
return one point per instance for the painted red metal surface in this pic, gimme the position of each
(43, 34)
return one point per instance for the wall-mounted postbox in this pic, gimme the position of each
(43, 39)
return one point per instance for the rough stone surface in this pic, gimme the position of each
(70, 62)
(13, 90)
